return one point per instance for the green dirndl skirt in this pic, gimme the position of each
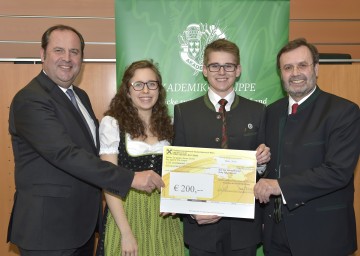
(155, 235)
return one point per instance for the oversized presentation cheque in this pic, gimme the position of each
(208, 181)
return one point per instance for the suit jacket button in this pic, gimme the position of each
(217, 139)
(218, 117)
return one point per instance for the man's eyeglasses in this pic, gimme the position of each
(139, 86)
(228, 67)
(301, 67)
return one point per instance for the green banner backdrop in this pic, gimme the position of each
(174, 34)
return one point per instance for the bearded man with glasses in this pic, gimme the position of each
(309, 188)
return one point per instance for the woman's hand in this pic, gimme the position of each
(129, 245)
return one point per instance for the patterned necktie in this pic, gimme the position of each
(74, 102)
(277, 209)
(222, 111)
(294, 108)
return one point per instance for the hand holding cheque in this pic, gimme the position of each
(147, 181)
(211, 182)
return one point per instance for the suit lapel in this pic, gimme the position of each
(59, 96)
(283, 115)
(86, 102)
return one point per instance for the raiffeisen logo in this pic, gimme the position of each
(193, 41)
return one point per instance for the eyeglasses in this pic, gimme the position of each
(301, 67)
(228, 67)
(139, 86)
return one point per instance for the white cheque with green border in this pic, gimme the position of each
(208, 181)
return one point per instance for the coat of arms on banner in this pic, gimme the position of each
(193, 41)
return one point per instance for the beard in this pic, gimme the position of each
(299, 92)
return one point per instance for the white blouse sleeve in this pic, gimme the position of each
(109, 136)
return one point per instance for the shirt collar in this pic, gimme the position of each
(292, 101)
(214, 98)
(65, 89)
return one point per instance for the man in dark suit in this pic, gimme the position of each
(58, 174)
(198, 123)
(314, 153)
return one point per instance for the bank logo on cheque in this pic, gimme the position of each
(193, 41)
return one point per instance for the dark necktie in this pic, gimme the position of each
(294, 108)
(222, 111)
(74, 102)
(277, 209)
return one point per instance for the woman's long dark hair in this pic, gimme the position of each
(123, 110)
